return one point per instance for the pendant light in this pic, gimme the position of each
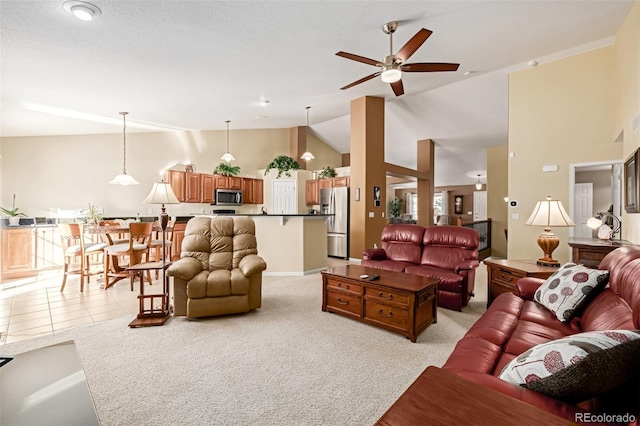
(478, 184)
(307, 155)
(124, 179)
(227, 157)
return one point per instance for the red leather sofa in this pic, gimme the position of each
(449, 253)
(515, 322)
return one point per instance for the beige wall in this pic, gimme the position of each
(325, 155)
(626, 64)
(559, 113)
(467, 201)
(497, 189)
(54, 173)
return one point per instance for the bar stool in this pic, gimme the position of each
(74, 246)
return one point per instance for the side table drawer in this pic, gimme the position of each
(506, 277)
(385, 314)
(345, 302)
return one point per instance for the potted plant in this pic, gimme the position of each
(14, 214)
(226, 169)
(92, 215)
(327, 172)
(395, 207)
(283, 163)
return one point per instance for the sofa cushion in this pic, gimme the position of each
(447, 247)
(387, 265)
(569, 289)
(403, 242)
(449, 280)
(578, 367)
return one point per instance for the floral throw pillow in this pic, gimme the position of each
(576, 368)
(570, 288)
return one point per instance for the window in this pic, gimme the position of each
(437, 204)
(412, 208)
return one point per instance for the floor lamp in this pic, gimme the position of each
(162, 193)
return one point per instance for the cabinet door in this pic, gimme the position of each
(325, 183)
(222, 182)
(177, 180)
(207, 192)
(235, 182)
(192, 187)
(17, 253)
(247, 191)
(312, 194)
(176, 237)
(257, 191)
(339, 181)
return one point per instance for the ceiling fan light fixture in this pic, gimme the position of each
(391, 74)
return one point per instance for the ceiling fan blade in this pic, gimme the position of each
(429, 67)
(362, 80)
(413, 44)
(358, 58)
(398, 87)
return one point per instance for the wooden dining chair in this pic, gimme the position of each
(115, 237)
(156, 243)
(135, 249)
(74, 247)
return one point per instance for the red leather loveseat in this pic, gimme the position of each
(514, 323)
(449, 253)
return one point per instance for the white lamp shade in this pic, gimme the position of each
(161, 193)
(227, 157)
(124, 180)
(549, 213)
(307, 156)
(391, 75)
(594, 223)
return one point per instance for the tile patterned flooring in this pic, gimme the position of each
(32, 307)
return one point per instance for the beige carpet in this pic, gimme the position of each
(287, 363)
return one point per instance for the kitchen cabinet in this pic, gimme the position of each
(312, 193)
(192, 187)
(228, 182)
(252, 191)
(340, 181)
(208, 189)
(325, 183)
(257, 193)
(17, 253)
(177, 180)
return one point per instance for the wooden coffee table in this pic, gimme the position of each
(399, 302)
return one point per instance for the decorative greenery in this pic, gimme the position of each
(226, 169)
(283, 163)
(395, 207)
(92, 215)
(14, 210)
(327, 172)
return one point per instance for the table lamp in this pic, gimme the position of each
(162, 193)
(549, 213)
(604, 231)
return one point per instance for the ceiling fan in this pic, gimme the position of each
(393, 65)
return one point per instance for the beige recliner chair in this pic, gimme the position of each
(219, 271)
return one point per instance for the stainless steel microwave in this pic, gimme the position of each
(228, 197)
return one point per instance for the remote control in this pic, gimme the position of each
(364, 276)
(375, 277)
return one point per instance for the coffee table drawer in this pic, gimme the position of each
(385, 314)
(344, 285)
(344, 302)
(385, 295)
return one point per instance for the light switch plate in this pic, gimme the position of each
(371, 214)
(515, 216)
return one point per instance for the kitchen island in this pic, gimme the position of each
(291, 244)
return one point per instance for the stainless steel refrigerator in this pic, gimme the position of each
(335, 201)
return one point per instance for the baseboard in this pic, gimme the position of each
(293, 274)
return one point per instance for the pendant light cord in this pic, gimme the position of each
(124, 142)
(228, 121)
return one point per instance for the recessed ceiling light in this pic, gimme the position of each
(82, 10)
(260, 117)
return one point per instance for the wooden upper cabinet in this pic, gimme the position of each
(192, 189)
(228, 182)
(247, 191)
(177, 180)
(207, 193)
(340, 181)
(257, 193)
(235, 182)
(325, 183)
(312, 194)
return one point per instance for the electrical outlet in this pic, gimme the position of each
(371, 214)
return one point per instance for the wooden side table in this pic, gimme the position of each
(502, 275)
(149, 315)
(590, 251)
(439, 397)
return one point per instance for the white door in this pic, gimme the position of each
(480, 205)
(583, 206)
(284, 197)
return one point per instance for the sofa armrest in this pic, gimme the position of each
(251, 264)
(467, 264)
(526, 287)
(374, 254)
(185, 268)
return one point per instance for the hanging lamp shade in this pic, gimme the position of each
(478, 184)
(227, 157)
(123, 178)
(306, 156)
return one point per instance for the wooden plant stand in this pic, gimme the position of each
(148, 315)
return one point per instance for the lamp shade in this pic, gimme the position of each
(124, 180)
(549, 213)
(161, 193)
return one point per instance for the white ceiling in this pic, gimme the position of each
(191, 65)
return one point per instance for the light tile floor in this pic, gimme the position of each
(35, 306)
